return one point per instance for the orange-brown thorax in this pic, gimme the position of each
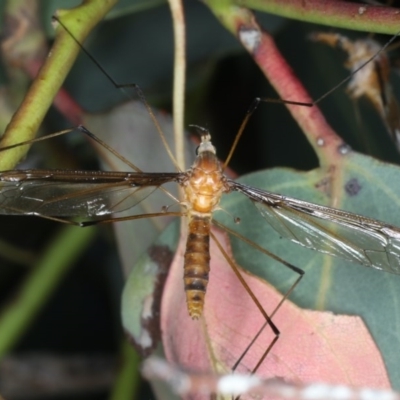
(206, 181)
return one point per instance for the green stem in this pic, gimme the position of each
(338, 14)
(26, 121)
(127, 382)
(60, 256)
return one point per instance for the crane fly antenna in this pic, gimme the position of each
(201, 131)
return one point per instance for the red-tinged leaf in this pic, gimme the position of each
(313, 346)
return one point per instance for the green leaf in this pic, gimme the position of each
(329, 283)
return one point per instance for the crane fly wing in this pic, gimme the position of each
(69, 200)
(339, 233)
(75, 193)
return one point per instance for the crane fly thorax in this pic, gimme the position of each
(205, 184)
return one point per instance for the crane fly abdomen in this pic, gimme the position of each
(197, 263)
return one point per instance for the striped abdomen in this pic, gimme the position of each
(197, 263)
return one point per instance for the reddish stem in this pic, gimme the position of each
(326, 143)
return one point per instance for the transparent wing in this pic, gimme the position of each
(327, 230)
(75, 193)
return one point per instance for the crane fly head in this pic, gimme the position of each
(205, 144)
(205, 140)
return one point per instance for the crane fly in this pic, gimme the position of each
(92, 195)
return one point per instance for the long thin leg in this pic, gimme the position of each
(82, 129)
(109, 220)
(268, 319)
(126, 85)
(131, 218)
